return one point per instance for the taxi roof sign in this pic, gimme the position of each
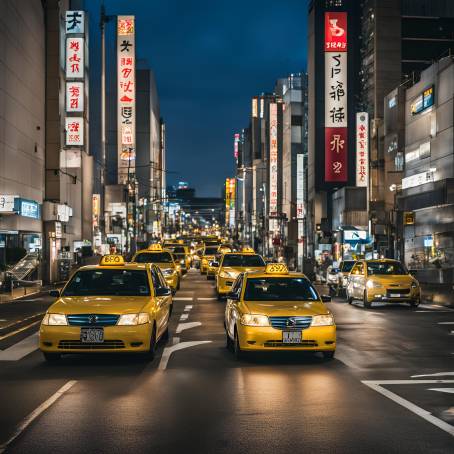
(112, 260)
(155, 247)
(247, 249)
(276, 268)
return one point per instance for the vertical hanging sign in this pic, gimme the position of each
(273, 159)
(236, 141)
(227, 202)
(362, 149)
(126, 92)
(336, 97)
(232, 201)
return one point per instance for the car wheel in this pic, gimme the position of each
(52, 357)
(415, 303)
(152, 350)
(349, 298)
(366, 302)
(329, 355)
(239, 354)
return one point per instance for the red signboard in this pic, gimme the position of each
(335, 32)
(336, 155)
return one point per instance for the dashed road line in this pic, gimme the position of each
(37, 412)
(183, 298)
(21, 349)
(206, 299)
(184, 317)
(187, 308)
(184, 326)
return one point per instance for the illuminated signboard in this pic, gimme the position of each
(362, 149)
(227, 201)
(254, 107)
(300, 209)
(74, 130)
(418, 179)
(96, 210)
(336, 97)
(236, 140)
(126, 101)
(74, 58)
(262, 107)
(273, 159)
(28, 208)
(74, 22)
(74, 96)
(232, 202)
(422, 101)
(7, 203)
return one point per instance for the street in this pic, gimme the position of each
(389, 388)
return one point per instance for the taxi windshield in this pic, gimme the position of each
(385, 268)
(347, 266)
(153, 257)
(280, 289)
(177, 249)
(243, 260)
(211, 251)
(108, 282)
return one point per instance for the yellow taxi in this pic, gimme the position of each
(110, 307)
(208, 255)
(382, 280)
(165, 261)
(213, 266)
(182, 256)
(231, 265)
(278, 310)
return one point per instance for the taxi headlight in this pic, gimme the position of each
(414, 285)
(55, 320)
(373, 284)
(167, 272)
(322, 320)
(255, 320)
(133, 319)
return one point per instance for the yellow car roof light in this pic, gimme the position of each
(112, 260)
(155, 247)
(247, 249)
(276, 268)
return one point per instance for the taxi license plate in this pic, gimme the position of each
(395, 295)
(92, 335)
(292, 337)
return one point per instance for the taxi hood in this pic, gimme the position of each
(287, 308)
(164, 265)
(242, 269)
(99, 304)
(389, 279)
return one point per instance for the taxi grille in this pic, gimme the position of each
(78, 345)
(284, 323)
(303, 343)
(92, 319)
(399, 291)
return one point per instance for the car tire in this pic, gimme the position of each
(239, 354)
(52, 357)
(415, 303)
(152, 350)
(329, 355)
(349, 298)
(367, 304)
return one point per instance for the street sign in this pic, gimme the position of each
(409, 218)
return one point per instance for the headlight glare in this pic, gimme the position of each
(322, 320)
(55, 320)
(255, 320)
(133, 319)
(372, 284)
(167, 272)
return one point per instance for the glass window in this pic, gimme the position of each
(108, 282)
(236, 287)
(177, 249)
(210, 250)
(385, 268)
(153, 257)
(347, 266)
(280, 289)
(240, 260)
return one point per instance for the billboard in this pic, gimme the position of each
(75, 58)
(126, 97)
(336, 123)
(74, 96)
(74, 131)
(227, 202)
(273, 159)
(362, 149)
(232, 202)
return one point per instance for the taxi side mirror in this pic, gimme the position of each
(233, 296)
(215, 264)
(163, 291)
(54, 293)
(326, 298)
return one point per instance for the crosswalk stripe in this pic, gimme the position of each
(21, 349)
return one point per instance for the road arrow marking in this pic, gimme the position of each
(180, 346)
(438, 374)
(187, 308)
(443, 390)
(21, 349)
(184, 326)
(184, 317)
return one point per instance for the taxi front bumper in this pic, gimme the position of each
(117, 339)
(316, 339)
(393, 295)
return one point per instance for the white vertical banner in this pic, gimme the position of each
(126, 102)
(362, 149)
(74, 128)
(335, 89)
(273, 160)
(300, 208)
(75, 65)
(75, 96)
(75, 22)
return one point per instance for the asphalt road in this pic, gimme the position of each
(389, 389)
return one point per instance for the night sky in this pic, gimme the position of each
(209, 59)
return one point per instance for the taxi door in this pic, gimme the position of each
(231, 308)
(163, 302)
(358, 280)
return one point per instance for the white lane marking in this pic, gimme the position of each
(443, 390)
(183, 298)
(438, 374)
(187, 308)
(37, 412)
(446, 323)
(21, 349)
(432, 312)
(19, 330)
(376, 386)
(436, 307)
(184, 317)
(183, 326)
(3, 320)
(206, 299)
(180, 346)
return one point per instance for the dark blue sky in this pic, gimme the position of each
(210, 58)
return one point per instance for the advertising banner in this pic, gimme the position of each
(300, 209)
(74, 130)
(74, 96)
(273, 159)
(74, 58)
(336, 155)
(362, 149)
